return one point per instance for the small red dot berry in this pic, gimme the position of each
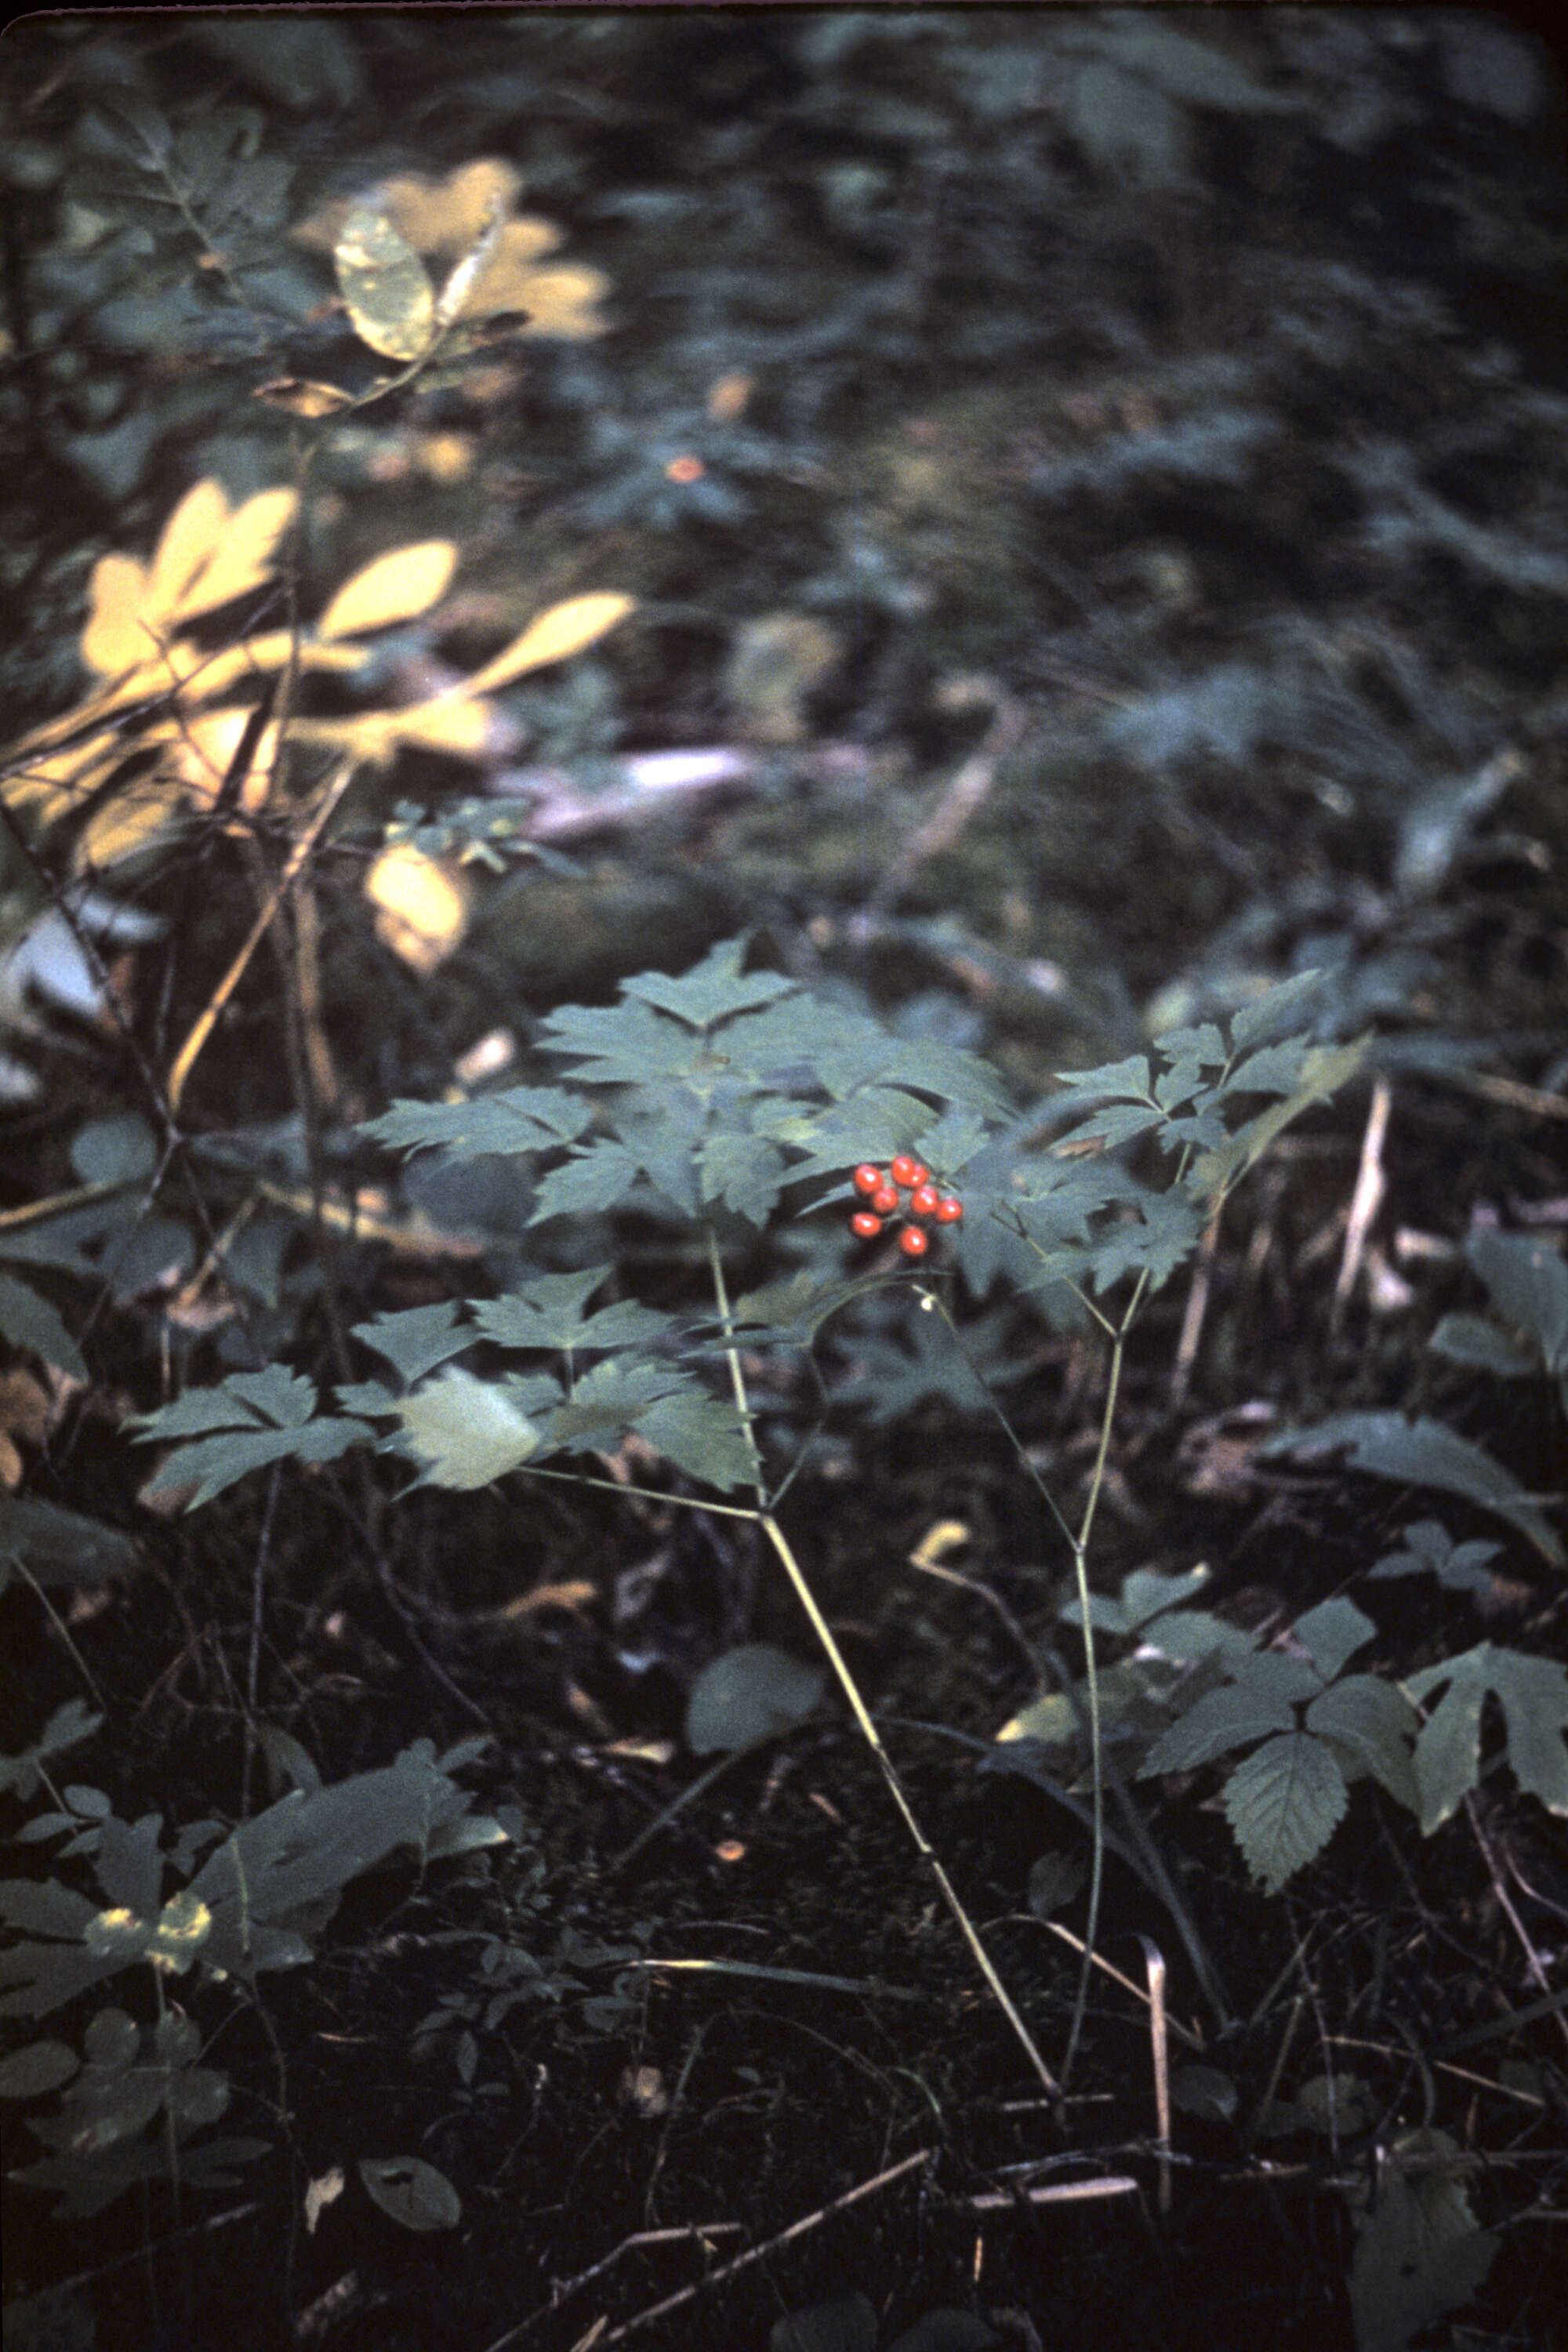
(865, 1226)
(924, 1201)
(866, 1178)
(913, 1243)
(885, 1199)
(905, 1171)
(949, 1210)
(922, 1174)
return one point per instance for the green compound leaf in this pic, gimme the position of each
(384, 285)
(517, 1119)
(1284, 1802)
(264, 1417)
(1371, 1728)
(1419, 2250)
(1533, 1695)
(713, 991)
(28, 1321)
(548, 1314)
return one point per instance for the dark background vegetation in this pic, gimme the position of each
(1211, 418)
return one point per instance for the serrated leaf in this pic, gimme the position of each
(1284, 1802)
(1129, 1080)
(712, 991)
(1423, 1453)
(548, 1313)
(396, 586)
(1218, 1722)
(416, 1339)
(385, 287)
(1533, 1695)
(517, 1119)
(465, 1431)
(600, 1178)
(755, 1692)
(412, 2191)
(702, 1435)
(1266, 1015)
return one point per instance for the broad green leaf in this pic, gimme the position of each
(1284, 1802)
(628, 1044)
(1223, 1719)
(60, 1547)
(384, 285)
(1145, 1593)
(1533, 1695)
(752, 1693)
(1529, 1284)
(412, 2191)
(28, 1321)
(1419, 2250)
(1128, 1081)
(465, 1431)
(1203, 2090)
(396, 586)
(1333, 1632)
(1472, 1339)
(1425, 1454)
(602, 1177)
(41, 2066)
(1369, 1722)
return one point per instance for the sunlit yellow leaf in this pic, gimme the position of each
(209, 674)
(423, 906)
(396, 587)
(508, 278)
(563, 302)
(453, 724)
(300, 395)
(243, 556)
(116, 634)
(384, 285)
(565, 629)
(448, 216)
(128, 822)
(47, 789)
(206, 745)
(188, 539)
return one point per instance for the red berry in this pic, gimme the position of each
(885, 1199)
(866, 1178)
(913, 1243)
(949, 1210)
(905, 1171)
(866, 1225)
(924, 1201)
(922, 1174)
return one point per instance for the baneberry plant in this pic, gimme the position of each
(699, 1108)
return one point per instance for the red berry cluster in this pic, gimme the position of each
(884, 1197)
